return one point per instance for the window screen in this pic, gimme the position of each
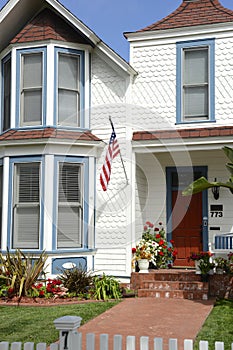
(69, 224)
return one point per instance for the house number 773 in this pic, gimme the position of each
(216, 214)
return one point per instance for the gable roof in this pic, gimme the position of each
(21, 12)
(192, 13)
(48, 25)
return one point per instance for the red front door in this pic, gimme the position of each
(186, 225)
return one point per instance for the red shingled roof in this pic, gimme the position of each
(48, 26)
(183, 133)
(48, 133)
(193, 13)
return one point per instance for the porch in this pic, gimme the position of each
(181, 284)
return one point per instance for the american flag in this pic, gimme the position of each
(112, 152)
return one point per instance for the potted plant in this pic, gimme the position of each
(221, 265)
(202, 262)
(154, 247)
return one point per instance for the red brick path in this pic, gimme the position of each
(153, 317)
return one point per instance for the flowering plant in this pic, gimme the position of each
(145, 250)
(204, 263)
(154, 246)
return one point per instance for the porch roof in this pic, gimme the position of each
(192, 138)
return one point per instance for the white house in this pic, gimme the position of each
(171, 108)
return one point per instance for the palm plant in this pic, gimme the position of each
(202, 183)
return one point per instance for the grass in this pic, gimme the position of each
(218, 325)
(35, 324)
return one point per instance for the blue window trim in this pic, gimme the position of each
(17, 160)
(179, 50)
(85, 162)
(169, 171)
(80, 53)
(4, 60)
(19, 53)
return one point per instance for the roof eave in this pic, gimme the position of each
(177, 32)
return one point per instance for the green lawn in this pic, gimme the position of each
(218, 326)
(25, 323)
(35, 324)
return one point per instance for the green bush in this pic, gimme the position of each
(77, 281)
(106, 287)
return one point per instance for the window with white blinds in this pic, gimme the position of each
(26, 205)
(31, 88)
(196, 84)
(1, 188)
(68, 89)
(70, 209)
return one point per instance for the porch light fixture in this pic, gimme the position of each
(215, 190)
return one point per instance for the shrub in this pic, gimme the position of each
(20, 271)
(77, 281)
(106, 287)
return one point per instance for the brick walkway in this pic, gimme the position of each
(153, 317)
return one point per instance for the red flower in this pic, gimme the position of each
(133, 250)
(158, 235)
(172, 241)
(149, 224)
(145, 228)
(161, 253)
(161, 242)
(156, 229)
(175, 252)
(41, 293)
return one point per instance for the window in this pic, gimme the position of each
(195, 81)
(1, 188)
(31, 90)
(69, 87)
(6, 93)
(26, 205)
(70, 208)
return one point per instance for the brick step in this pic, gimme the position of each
(175, 294)
(175, 285)
(164, 275)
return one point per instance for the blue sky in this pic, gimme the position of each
(109, 19)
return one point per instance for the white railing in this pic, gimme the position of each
(71, 339)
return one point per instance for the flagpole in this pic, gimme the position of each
(127, 181)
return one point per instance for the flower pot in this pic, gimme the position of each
(205, 277)
(143, 265)
(198, 271)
